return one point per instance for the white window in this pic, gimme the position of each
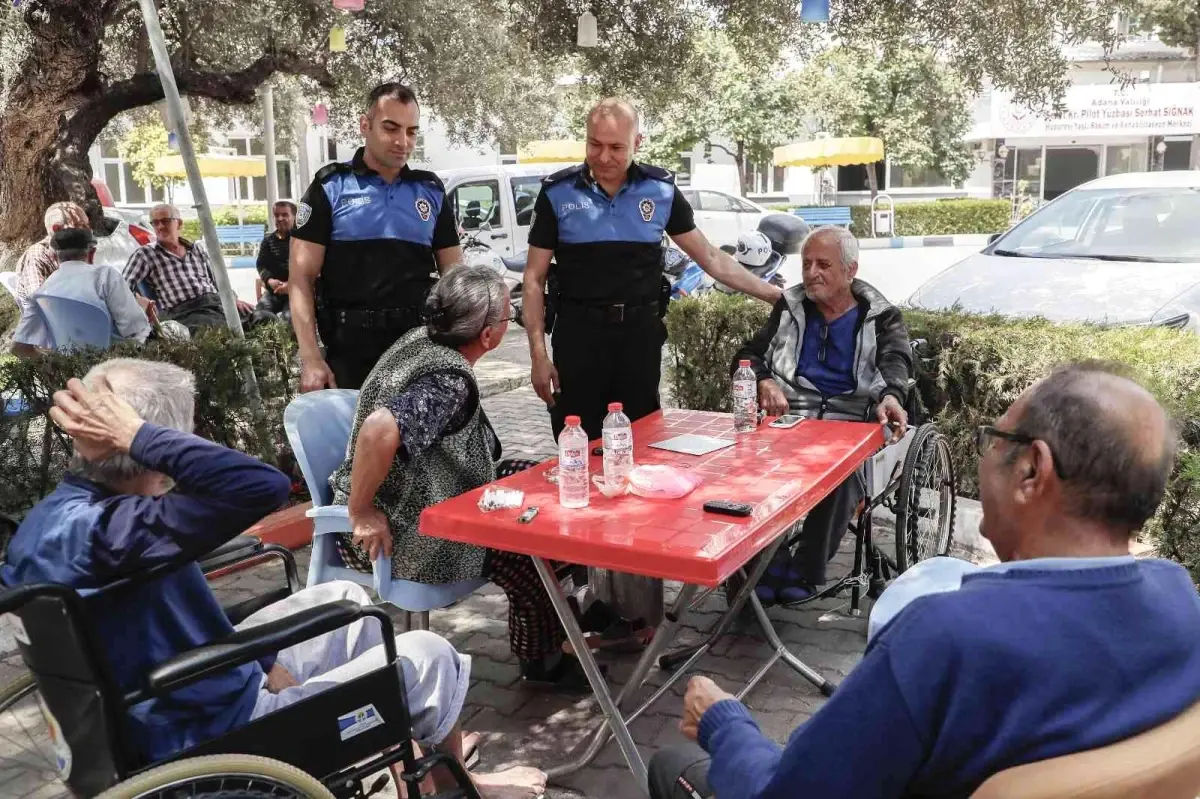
(118, 176)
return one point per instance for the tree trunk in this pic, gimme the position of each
(1194, 156)
(872, 180)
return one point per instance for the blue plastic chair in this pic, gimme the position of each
(318, 428)
(74, 323)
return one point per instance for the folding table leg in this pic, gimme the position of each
(664, 634)
(595, 678)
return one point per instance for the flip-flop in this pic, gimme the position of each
(470, 745)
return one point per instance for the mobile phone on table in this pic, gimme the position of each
(727, 508)
(786, 421)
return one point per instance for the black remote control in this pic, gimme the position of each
(726, 508)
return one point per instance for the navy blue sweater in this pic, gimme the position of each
(85, 536)
(1018, 665)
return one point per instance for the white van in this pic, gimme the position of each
(500, 195)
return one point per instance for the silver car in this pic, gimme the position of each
(1121, 250)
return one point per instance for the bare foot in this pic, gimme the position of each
(521, 782)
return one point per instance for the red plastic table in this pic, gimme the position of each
(782, 473)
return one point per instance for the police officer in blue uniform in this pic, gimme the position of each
(603, 224)
(375, 232)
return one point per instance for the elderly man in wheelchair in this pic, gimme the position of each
(141, 673)
(833, 348)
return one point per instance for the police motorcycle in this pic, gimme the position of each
(764, 251)
(684, 275)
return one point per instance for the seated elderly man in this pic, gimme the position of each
(38, 262)
(78, 278)
(833, 348)
(143, 491)
(1067, 645)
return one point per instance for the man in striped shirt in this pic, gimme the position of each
(178, 274)
(39, 261)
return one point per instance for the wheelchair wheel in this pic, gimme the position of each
(925, 499)
(27, 749)
(221, 777)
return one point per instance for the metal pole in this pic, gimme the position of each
(268, 102)
(162, 62)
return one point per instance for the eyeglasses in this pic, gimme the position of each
(985, 432)
(157, 222)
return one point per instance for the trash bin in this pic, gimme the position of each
(632, 596)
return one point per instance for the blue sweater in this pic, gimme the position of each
(1018, 665)
(85, 536)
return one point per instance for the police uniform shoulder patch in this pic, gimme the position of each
(425, 176)
(646, 207)
(562, 174)
(657, 173)
(329, 170)
(424, 209)
(303, 213)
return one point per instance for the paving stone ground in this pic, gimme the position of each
(521, 726)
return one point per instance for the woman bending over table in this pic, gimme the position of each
(420, 437)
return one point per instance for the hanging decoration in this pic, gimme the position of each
(173, 142)
(337, 39)
(320, 114)
(586, 35)
(814, 10)
(348, 5)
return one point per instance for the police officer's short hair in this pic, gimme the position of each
(392, 89)
(288, 204)
(614, 106)
(463, 303)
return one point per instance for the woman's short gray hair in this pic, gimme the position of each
(161, 393)
(847, 243)
(466, 301)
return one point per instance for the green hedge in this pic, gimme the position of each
(33, 457)
(939, 218)
(228, 215)
(973, 368)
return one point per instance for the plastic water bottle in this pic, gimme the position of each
(745, 399)
(573, 485)
(618, 449)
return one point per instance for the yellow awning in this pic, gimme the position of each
(213, 165)
(551, 152)
(830, 152)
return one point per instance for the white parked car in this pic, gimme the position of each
(503, 197)
(1120, 250)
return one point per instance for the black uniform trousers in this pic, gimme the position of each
(601, 362)
(352, 352)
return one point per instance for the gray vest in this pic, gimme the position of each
(455, 464)
(804, 398)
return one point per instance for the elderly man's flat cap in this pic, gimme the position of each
(71, 238)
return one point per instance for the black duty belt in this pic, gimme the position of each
(375, 318)
(613, 314)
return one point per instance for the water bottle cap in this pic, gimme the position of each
(744, 364)
(615, 407)
(573, 421)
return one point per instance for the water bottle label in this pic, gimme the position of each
(572, 459)
(745, 390)
(618, 439)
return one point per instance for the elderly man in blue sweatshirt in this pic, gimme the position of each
(143, 491)
(1069, 644)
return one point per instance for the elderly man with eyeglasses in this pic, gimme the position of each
(1067, 645)
(179, 274)
(833, 348)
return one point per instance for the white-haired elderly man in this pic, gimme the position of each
(833, 348)
(143, 491)
(179, 274)
(39, 261)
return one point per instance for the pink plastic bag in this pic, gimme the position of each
(662, 482)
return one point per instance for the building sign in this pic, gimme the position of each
(1145, 109)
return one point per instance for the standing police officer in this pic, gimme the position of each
(371, 230)
(603, 223)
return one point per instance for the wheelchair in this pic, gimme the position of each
(73, 713)
(319, 748)
(915, 480)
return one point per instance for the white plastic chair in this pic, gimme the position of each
(318, 428)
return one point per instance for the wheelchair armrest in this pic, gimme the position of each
(233, 550)
(256, 642)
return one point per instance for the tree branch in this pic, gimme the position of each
(723, 149)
